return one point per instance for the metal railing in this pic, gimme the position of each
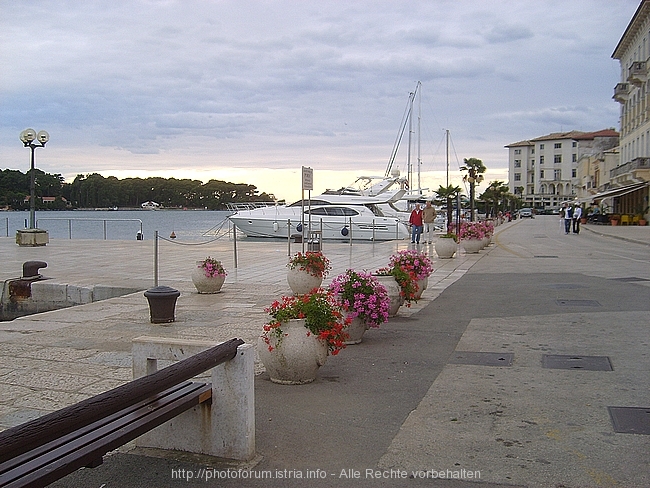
(104, 221)
(638, 163)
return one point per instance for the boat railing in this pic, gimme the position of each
(104, 222)
(235, 207)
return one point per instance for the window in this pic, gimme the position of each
(557, 174)
(574, 157)
(517, 151)
(541, 160)
(517, 176)
(557, 158)
(575, 144)
(573, 173)
(541, 146)
(517, 163)
(532, 151)
(541, 173)
(558, 145)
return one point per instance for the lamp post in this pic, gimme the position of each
(28, 138)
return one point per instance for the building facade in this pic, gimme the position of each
(628, 189)
(544, 171)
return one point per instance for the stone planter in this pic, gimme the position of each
(472, 246)
(295, 357)
(394, 293)
(422, 285)
(301, 282)
(206, 284)
(32, 237)
(446, 247)
(355, 330)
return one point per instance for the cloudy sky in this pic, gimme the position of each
(250, 91)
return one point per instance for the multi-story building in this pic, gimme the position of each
(544, 171)
(629, 181)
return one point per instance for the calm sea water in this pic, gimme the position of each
(120, 224)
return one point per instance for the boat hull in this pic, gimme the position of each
(286, 224)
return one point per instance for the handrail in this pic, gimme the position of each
(70, 220)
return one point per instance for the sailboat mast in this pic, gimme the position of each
(409, 169)
(447, 147)
(419, 120)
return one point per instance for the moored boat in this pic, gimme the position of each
(339, 217)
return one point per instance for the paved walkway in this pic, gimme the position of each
(397, 401)
(56, 358)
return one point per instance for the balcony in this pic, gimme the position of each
(621, 92)
(631, 172)
(637, 73)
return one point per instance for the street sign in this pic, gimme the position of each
(307, 178)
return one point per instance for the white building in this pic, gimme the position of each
(543, 171)
(629, 180)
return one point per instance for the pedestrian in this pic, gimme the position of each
(563, 210)
(567, 219)
(428, 217)
(416, 224)
(577, 213)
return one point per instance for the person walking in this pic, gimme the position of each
(568, 215)
(416, 224)
(577, 213)
(563, 210)
(428, 217)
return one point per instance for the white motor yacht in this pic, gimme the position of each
(340, 217)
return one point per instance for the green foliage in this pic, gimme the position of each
(14, 187)
(96, 191)
(448, 193)
(497, 194)
(473, 164)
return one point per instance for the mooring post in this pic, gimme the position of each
(155, 258)
(234, 243)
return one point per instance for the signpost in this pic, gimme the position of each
(307, 184)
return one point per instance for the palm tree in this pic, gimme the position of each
(448, 193)
(495, 193)
(475, 169)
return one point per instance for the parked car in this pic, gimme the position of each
(526, 212)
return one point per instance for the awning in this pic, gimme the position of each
(616, 192)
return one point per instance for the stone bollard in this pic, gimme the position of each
(162, 304)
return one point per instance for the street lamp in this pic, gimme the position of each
(472, 177)
(29, 138)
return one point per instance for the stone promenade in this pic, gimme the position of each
(405, 400)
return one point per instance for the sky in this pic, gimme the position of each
(251, 91)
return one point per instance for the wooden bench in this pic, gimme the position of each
(50, 447)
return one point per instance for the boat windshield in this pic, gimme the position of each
(331, 210)
(313, 202)
(375, 209)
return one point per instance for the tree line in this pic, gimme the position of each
(96, 191)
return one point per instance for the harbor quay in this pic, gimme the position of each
(417, 402)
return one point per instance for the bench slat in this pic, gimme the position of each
(86, 446)
(23, 458)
